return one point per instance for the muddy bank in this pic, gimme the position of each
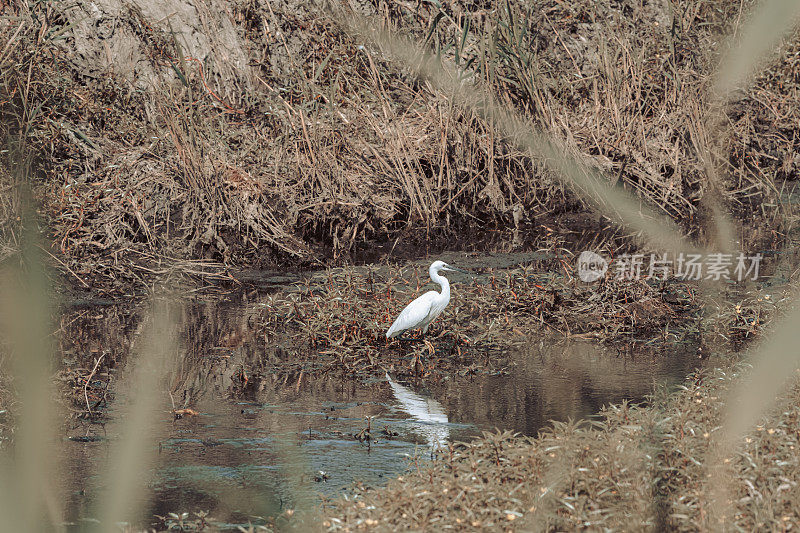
(333, 322)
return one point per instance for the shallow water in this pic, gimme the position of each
(284, 440)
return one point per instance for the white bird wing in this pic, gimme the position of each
(414, 314)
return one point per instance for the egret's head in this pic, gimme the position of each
(439, 266)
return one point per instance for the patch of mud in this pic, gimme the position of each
(115, 37)
(335, 321)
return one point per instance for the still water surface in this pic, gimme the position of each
(292, 437)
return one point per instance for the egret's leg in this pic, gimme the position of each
(430, 347)
(418, 368)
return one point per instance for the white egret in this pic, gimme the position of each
(424, 310)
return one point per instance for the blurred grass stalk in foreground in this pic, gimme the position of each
(29, 499)
(133, 454)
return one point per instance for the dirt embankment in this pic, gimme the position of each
(187, 136)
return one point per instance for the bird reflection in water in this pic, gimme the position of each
(427, 415)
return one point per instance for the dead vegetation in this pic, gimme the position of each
(169, 148)
(9, 209)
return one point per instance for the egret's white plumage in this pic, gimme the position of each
(424, 310)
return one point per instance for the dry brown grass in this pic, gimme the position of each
(319, 147)
(9, 210)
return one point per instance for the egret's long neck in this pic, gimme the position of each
(442, 281)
